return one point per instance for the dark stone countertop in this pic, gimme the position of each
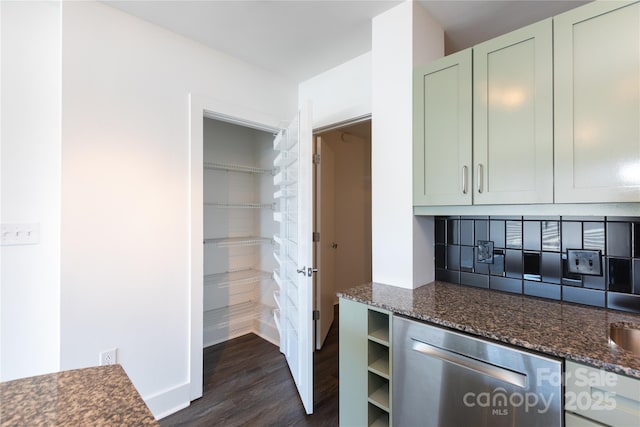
(99, 396)
(565, 330)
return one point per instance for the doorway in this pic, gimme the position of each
(342, 215)
(202, 108)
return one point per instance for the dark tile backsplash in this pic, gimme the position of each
(453, 232)
(551, 267)
(593, 236)
(531, 266)
(497, 268)
(530, 257)
(513, 263)
(571, 235)
(482, 230)
(496, 233)
(550, 235)
(467, 232)
(453, 257)
(466, 258)
(636, 276)
(514, 234)
(620, 275)
(531, 235)
(619, 242)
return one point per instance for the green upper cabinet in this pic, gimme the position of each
(442, 134)
(493, 102)
(597, 103)
(549, 113)
(513, 117)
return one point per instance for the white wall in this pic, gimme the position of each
(340, 94)
(402, 244)
(30, 187)
(125, 189)
(428, 44)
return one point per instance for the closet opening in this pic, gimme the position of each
(240, 295)
(237, 227)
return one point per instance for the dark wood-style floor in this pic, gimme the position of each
(247, 383)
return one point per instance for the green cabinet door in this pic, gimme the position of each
(513, 117)
(442, 132)
(606, 398)
(597, 103)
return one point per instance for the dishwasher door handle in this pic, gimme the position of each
(515, 378)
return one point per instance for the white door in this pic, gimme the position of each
(294, 251)
(327, 245)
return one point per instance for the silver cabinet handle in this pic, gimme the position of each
(464, 179)
(512, 377)
(480, 177)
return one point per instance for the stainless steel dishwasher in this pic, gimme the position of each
(448, 379)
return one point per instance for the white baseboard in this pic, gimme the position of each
(172, 400)
(217, 337)
(267, 331)
(168, 401)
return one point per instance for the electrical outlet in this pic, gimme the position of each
(109, 357)
(484, 251)
(584, 262)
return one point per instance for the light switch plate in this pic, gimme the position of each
(19, 234)
(582, 261)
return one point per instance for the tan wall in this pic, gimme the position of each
(352, 204)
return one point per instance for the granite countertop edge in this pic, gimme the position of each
(579, 357)
(96, 396)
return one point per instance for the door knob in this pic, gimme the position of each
(334, 245)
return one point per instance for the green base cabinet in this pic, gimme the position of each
(594, 397)
(364, 365)
(353, 359)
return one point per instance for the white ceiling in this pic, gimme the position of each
(299, 39)
(470, 22)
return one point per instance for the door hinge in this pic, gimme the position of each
(316, 159)
(316, 236)
(316, 315)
